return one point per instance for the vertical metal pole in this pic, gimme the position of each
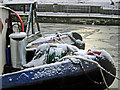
(10, 20)
(28, 22)
(36, 20)
(32, 22)
(89, 10)
(24, 8)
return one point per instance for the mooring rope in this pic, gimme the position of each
(95, 62)
(104, 78)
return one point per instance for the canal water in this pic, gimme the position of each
(95, 37)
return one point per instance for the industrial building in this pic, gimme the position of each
(71, 8)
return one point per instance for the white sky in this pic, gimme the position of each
(102, 0)
(76, 0)
(63, 0)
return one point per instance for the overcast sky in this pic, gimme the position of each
(65, 0)
(102, 0)
(81, 0)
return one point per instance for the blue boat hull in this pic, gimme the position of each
(56, 75)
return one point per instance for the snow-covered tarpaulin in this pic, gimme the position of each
(42, 52)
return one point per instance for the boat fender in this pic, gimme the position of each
(78, 40)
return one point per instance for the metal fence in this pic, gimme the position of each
(72, 8)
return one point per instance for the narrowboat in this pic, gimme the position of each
(59, 61)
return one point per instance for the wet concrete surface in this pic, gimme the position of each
(95, 37)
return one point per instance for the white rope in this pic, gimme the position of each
(104, 78)
(89, 60)
(101, 68)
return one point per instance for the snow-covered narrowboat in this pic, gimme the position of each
(53, 62)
